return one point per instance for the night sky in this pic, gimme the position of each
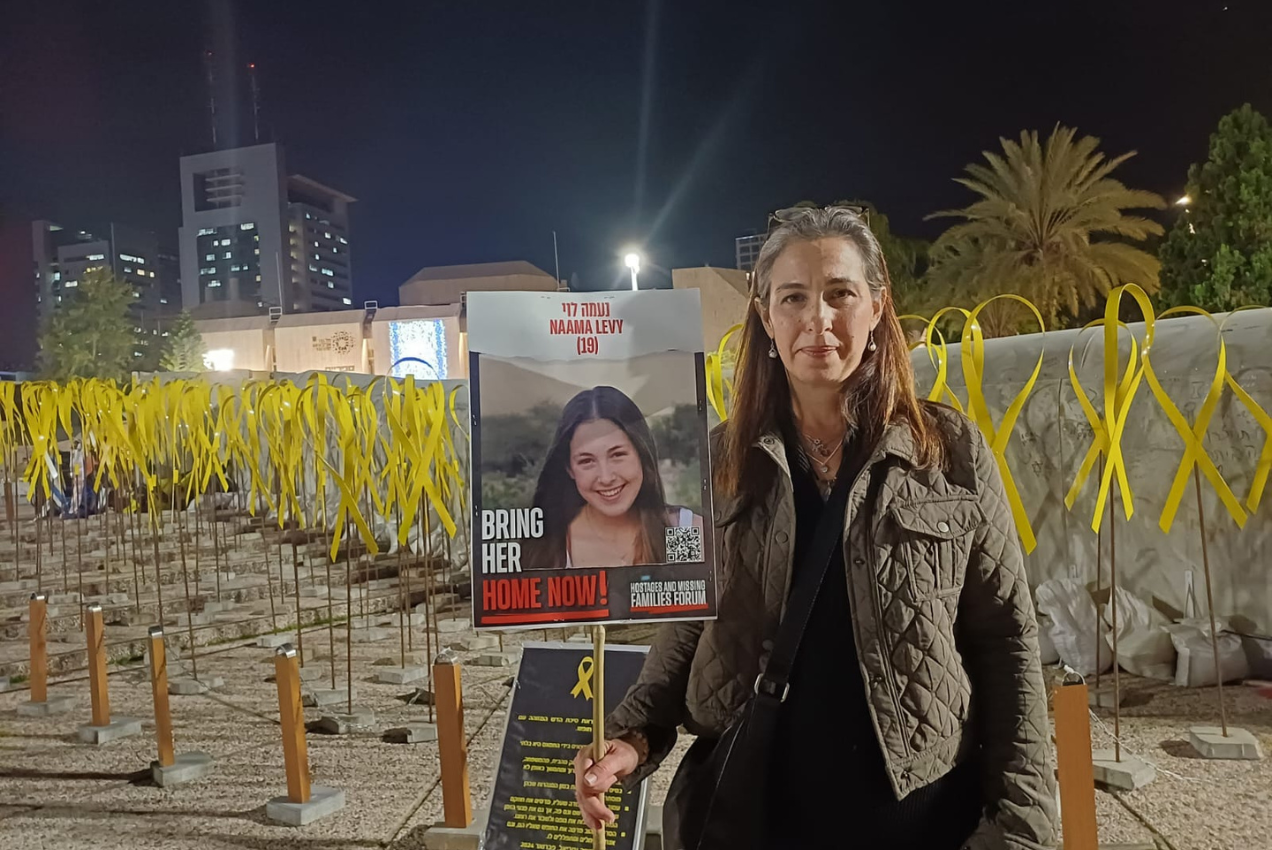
(469, 130)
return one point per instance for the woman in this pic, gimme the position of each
(600, 490)
(916, 712)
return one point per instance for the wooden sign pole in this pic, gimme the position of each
(97, 686)
(159, 684)
(598, 713)
(39, 648)
(1074, 766)
(457, 804)
(292, 715)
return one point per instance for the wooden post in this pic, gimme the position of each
(97, 667)
(38, 625)
(292, 715)
(598, 713)
(1074, 765)
(457, 803)
(159, 683)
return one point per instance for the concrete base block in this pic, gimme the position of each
(322, 802)
(450, 838)
(187, 768)
(194, 687)
(495, 659)
(1129, 774)
(54, 705)
(399, 675)
(120, 727)
(371, 635)
(412, 620)
(476, 643)
(225, 577)
(416, 733)
(117, 599)
(313, 592)
(274, 641)
(321, 697)
(314, 673)
(1101, 697)
(192, 619)
(1210, 743)
(450, 626)
(361, 720)
(218, 607)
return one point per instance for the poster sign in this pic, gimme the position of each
(532, 805)
(590, 465)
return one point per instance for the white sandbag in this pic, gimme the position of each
(1046, 646)
(1073, 625)
(1195, 667)
(1144, 647)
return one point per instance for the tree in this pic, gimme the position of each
(1049, 226)
(183, 349)
(1219, 253)
(91, 333)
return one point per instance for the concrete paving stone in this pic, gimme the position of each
(274, 641)
(1211, 743)
(474, 643)
(186, 767)
(120, 727)
(400, 675)
(495, 659)
(415, 733)
(186, 687)
(1129, 774)
(462, 838)
(48, 708)
(347, 723)
(371, 635)
(323, 801)
(452, 625)
(322, 697)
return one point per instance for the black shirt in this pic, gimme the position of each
(828, 786)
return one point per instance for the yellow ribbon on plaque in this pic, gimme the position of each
(587, 667)
(1194, 448)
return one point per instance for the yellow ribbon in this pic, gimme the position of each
(1194, 436)
(586, 669)
(719, 389)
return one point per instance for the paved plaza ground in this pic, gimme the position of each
(56, 792)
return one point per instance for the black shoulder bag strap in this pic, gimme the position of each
(717, 800)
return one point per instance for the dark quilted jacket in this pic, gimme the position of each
(944, 624)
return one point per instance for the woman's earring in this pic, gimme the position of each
(772, 349)
(870, 346)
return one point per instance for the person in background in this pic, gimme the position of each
(916, 712)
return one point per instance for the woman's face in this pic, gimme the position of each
(820, 311)
(605, 467)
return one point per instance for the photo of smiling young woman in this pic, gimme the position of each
(600, 490)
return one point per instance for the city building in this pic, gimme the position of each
(253, 238)
(62, 256)
(724, 295)
(447, 285)
(746, 250)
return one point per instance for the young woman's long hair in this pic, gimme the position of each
(879, 392)
(558, 495)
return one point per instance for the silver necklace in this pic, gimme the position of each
(822, 454)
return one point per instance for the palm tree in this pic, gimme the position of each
(1049, 225)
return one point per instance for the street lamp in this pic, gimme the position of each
(632, 261)
(1184, 201)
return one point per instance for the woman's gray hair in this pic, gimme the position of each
(805, 224)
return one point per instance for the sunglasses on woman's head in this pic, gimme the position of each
(779, 217)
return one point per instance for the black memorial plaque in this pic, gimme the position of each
(532, 806)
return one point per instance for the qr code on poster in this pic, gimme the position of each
(684, 545)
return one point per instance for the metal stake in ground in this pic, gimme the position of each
(300, 632)
(1210, 601)
(598, 712)
(349, 596)
(1117, 680)
(189, 605)
(1099, 583)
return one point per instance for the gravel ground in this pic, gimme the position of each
(56, 792)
